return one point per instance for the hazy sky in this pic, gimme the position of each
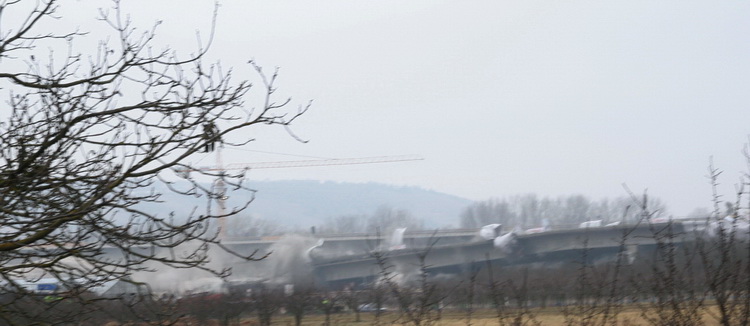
(499, 97)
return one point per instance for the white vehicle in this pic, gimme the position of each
(370, 307)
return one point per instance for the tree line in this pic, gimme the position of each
(523, 211)
(531, 210)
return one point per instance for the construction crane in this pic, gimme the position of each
(221, 187)
(305, 163)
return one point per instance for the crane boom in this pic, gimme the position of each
(307, 163)
(221, 187)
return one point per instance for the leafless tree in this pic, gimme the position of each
(488, 212)
(299, 301)
(266, 302)
(386, 219)
(724, 254)
(86, 138)
(377, 294)
(467, 292)
(530, 211)
(345, 224)
(419, 302)
(598, 290)
(352, 299)
(668, 290)
(242, 225)
(510, 296)
(327, 302)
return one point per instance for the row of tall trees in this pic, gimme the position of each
(522, 211)
(383, 219)
(530, 210)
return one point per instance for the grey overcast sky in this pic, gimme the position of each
(499, 97)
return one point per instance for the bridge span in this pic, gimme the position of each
(538, 249)
(355, 243)
(337, 260)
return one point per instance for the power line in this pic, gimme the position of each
(278, 153)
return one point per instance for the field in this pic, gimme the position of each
(547, 316)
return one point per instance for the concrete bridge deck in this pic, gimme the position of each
(550, 247)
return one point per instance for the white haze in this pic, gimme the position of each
(286, 263)
(499, 97)
(504, 97)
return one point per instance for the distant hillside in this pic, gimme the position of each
(302, 204)
(307, 203)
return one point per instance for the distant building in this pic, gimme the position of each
(110, 289)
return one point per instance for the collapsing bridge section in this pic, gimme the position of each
(510, 249)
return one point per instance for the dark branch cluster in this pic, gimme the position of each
(86, 138)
